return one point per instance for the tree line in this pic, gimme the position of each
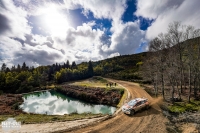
(23, 78)
(173, 61)
(125, 67)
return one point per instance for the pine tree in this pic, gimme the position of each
(3, 67)
(90, 69)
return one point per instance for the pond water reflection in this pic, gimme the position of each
(55, 103)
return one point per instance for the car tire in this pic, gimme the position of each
(132, 112)
(147, 107)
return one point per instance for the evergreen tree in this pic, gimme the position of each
(90, 69)
(67, 64)
(74, 65)
(3, 67)
(18, 68)
(24, 67)
(13, 68)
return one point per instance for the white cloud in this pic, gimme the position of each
(16, 22)
(126, 38)
(78, 44)
(111, 9)
(167, 11)
(83, 42)
(152, 8)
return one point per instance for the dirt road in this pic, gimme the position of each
(149, 121)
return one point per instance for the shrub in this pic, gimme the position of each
(15, 106)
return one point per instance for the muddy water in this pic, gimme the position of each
(54, 103)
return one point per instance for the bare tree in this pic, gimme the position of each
(176, 36)
(175, 60)
(158, 46)
(150, 71)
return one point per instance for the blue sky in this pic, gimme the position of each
(43, 32)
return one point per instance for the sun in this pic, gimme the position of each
(55, 22)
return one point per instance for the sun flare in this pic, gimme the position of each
(55, 22)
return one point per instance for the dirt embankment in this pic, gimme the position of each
(10, 104)
(93, 95)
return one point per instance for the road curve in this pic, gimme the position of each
(148, 121)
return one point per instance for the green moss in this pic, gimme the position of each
(176, 109)
(182, 107)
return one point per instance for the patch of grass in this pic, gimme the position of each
(51, 86)
(176, 109)
(95, 82)
(180, 107)
(195, 102)
(122, 99)
(40, 118)
(99, 79)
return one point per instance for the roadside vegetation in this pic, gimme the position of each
(42, 118)
(181, 107)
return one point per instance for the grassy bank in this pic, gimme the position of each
(93, 82)
(180, 107)
(42, 118)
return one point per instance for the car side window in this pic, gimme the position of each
(138, 104)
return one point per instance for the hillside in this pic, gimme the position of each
(125, 67)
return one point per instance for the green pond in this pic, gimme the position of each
(55, 103)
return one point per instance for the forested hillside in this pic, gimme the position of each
(23, 78)
(124, 67)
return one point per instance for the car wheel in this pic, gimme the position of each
(147, 106)
(132, 112)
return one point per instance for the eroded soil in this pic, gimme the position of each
(9, 104)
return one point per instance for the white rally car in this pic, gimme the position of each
(135, 105)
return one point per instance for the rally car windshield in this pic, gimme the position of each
(132, 102)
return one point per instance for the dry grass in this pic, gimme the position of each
(42, 118)
(95, 82)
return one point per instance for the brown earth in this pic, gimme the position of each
(9, 104)
(93, 95)
(149, 121)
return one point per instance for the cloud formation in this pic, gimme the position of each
(167, 11)
(79, 44)
(42, 32)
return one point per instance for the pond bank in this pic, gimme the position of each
(10, 104)
(93, 95)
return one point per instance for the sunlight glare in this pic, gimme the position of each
(55, 22)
